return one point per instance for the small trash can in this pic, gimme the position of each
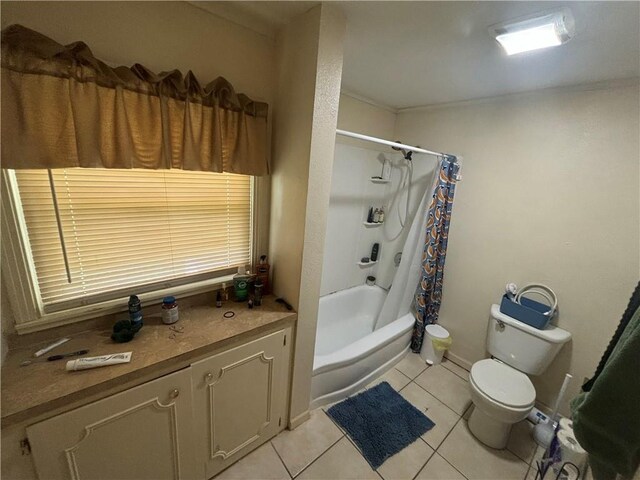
(436, 341)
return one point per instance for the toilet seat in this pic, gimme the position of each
(503, 384)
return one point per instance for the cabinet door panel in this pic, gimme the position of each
(142, 433)
(239, 399)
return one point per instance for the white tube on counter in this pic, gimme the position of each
(48, 348)
(102, 361)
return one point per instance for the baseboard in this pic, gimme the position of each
(299, 420)
(459, 360)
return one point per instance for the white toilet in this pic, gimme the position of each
(501, 392)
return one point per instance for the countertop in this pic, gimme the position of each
(45, 386)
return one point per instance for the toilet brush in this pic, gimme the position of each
(543, 432)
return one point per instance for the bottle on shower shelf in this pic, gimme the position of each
(374, 252)
(370, 215)
(381, 216)
(376, 216)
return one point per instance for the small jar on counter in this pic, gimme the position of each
(257, 296)
(169, 310)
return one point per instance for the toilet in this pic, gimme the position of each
(501, 391)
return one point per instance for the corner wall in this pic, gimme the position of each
(359, 116)
(549, 194)
(309, 71)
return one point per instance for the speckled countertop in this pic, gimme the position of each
(46, 386)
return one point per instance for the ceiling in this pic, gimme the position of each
(406, 54)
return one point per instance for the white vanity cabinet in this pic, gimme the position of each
(190, 424)
(240, 399)
(145, 432)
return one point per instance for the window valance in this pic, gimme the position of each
(62, 107)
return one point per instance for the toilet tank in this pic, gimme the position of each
(523, 347)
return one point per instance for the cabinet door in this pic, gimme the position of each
(240, 398)
(143, 433)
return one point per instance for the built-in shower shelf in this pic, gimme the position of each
(367, 264)
(379, 180)
(372, 224)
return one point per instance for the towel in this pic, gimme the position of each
(633, 305)
(606, 419)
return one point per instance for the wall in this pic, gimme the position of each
(549, 194)
(352, 193)
(359, 116)
(309, 72)
(161, 36)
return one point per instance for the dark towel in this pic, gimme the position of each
(606, 419)
(634, 304)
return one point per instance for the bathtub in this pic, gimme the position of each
(349, 352)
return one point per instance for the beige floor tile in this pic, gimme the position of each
(477, 461)
(262, 463)
(537, 455)
(340, 462)
(411, 365)
(438, 412)
(455, 368)
(447, 387)
(298, 448)
(531, 474)
(396, 379)
(521, 440)
(407, 462)
(437, 468)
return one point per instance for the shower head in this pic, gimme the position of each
(405, 153)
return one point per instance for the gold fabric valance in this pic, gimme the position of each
(62, 107)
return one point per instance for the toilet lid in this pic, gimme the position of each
(502, 383)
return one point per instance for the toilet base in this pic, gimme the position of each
(491, 432)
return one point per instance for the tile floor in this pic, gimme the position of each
(318, 449)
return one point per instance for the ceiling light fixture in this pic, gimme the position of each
(545, 30)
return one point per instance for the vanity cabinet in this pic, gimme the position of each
(240, 399)
(190, 424)
(142, 433)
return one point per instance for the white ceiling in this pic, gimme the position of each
(407, 54)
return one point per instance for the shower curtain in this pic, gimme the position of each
(419, 253)
(429, 290)
(401, 292)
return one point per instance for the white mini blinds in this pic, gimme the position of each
(131, 231)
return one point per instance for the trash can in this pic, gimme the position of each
(436, 341)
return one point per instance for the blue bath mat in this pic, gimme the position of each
(381, 422)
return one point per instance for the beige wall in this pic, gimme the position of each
(159, 35)
(549, 194)
(309, 73)
(358, 116)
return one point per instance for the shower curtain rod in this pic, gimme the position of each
(359, 136)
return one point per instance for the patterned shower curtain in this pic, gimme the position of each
(426, 303)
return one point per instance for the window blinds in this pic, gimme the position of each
(130, 231)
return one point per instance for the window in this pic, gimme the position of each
(120, 232)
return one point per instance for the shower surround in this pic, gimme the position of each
(364, 330)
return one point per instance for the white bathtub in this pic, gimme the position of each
(349, 352)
